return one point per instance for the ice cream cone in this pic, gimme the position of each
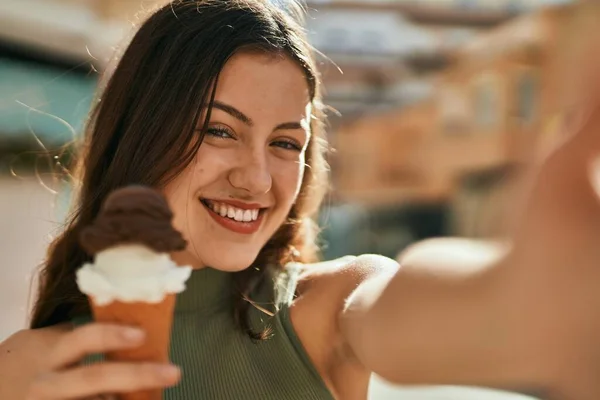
(132, 280)
(155, 319)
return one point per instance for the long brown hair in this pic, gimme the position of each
(141, 131)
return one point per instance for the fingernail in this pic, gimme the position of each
(169, 372)
(133, 334)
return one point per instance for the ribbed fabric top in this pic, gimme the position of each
(220, 362)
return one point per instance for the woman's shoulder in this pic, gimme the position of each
(324, 288)
(341, 276)
(322, 292)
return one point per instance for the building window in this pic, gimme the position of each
(454, 110)
(486, 104)
(527, 87)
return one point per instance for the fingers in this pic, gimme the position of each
(109, 377)
(93, 338)
(93, 381)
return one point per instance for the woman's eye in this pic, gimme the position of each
(287, 145)
(219, 133)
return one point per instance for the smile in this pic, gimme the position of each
(245, 220)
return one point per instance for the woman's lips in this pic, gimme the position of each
(243, 227)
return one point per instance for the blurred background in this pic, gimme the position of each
(439, 104)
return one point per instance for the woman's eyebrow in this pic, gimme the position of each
(289, 125)
(234, 112)
(237, 114)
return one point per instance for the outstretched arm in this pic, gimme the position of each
(460, 312)
(439, 319)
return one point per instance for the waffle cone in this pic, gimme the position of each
(156, 320)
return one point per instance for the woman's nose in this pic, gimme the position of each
(252, 174)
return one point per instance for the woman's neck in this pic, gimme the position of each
(207, 290)
(185, 258)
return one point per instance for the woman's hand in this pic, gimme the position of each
(62, 378)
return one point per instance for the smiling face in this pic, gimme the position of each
(248, 171)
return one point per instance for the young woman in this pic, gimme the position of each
(217, 104)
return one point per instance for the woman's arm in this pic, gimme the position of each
(518, 316)
(453, 255)
(439, 319)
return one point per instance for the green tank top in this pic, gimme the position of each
(220, 362)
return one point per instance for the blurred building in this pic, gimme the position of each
(386, 49)
(393, 54)
(383, 57)
(73, 30)
(381, 54)
(498, 103)
(50, 55)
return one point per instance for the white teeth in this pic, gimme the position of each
(239, 215)
(230, 212)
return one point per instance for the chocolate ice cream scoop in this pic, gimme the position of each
(132, 280)
(133, 215)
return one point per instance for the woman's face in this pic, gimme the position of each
(247, 173)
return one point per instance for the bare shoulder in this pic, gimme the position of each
(22, 355)
(329, 287)
(339, 278)
(323, 292)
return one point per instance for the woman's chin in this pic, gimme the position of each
(230, 267)
(226, 264)
(230, 264)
